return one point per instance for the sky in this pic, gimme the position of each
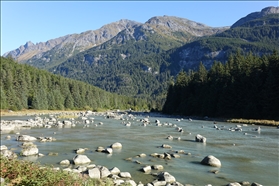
(39, 21)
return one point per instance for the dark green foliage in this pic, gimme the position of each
(130, 69)
(247, 86)
(23, 87)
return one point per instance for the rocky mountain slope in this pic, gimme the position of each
(53, 52)
(256, 15)
(61, 48)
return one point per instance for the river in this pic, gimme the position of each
(246, 155)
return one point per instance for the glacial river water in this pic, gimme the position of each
(246, 155)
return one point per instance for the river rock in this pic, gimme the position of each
(104, 171)
(8, 154)
(3, 147)
(157, 167)
(256, 184)
(212, 161)
(80, 150)
(100, 149)
(166, 146)
(26, 138)
(108, 150)
(81, 159)
(158, 183)
(116, 145)
(118, 182)
(125, 175)
(65, 162)
(94, 173)
(114, 170)
(146, 169)
(142, 155)
(29, 149)
(165, 176)
(200, 138)
(234, 184)
(170, 137)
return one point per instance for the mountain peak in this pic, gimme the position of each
(28, 44)
(177, 24)
(256, 15)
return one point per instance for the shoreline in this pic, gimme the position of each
(34, 112)
(67, 112)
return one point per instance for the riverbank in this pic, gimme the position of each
(37, 112)
(255, 122)
(72, 112)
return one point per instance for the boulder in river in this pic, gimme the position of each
(200, 138)
(29, 149)
(26, 138)
(212, 161)
(65, 162)
(165, 176)
(81, 159)
(116, 145)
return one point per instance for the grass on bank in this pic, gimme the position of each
(255, 122)
(19, 172)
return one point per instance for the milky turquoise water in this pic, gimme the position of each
(252, 157)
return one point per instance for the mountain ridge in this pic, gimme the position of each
(80, 42)
(256, 15)
(91, 38)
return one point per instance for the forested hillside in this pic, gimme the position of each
(259, 36)
(247, 86)
(129, 68)
(24, 87)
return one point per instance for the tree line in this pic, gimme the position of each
(25, 87)
(246, 86)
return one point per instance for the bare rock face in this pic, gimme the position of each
(171, 24)
(211, 161)
(256, 15)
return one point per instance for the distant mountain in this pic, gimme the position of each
(125, 65)
(259, 36)
(256, 15)
(57, 50)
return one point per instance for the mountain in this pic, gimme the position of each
(57, 50)
(259, 36)
(256, 15)
(142, 59)
(52, 52)
(125, 64)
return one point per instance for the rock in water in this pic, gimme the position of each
(212, 161)
(81, 159)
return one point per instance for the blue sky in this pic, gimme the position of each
(39, 21)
